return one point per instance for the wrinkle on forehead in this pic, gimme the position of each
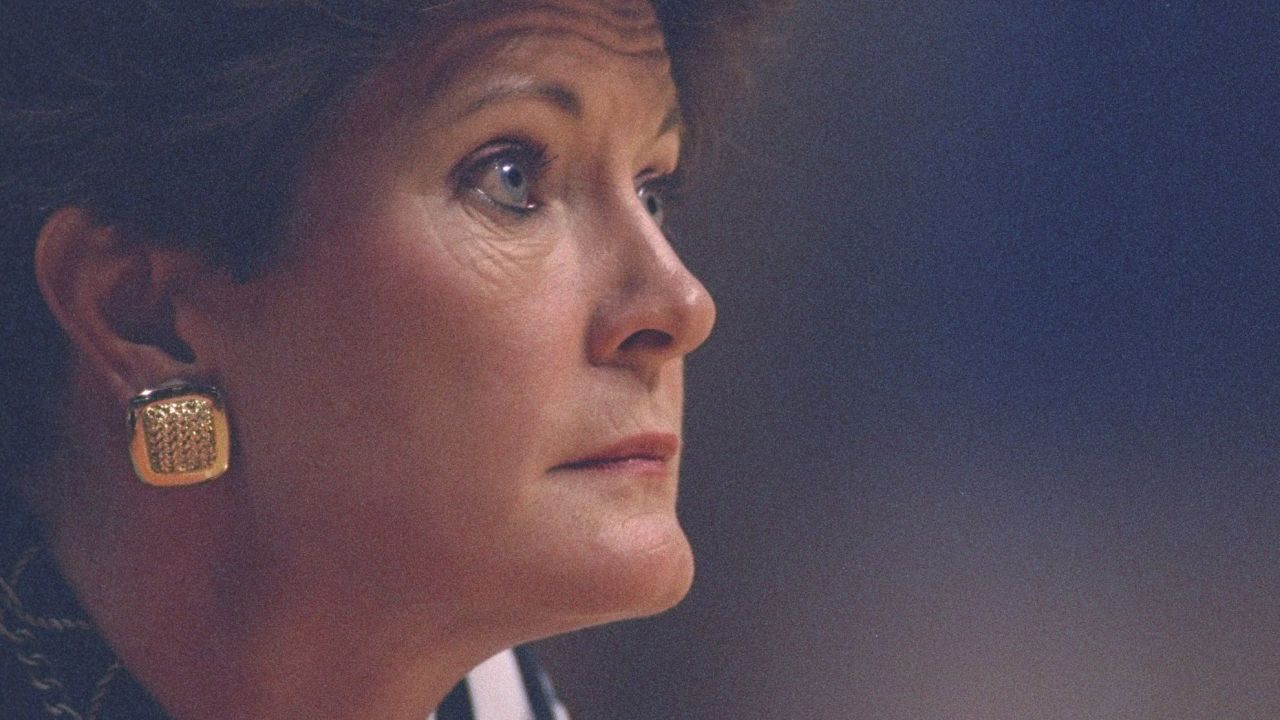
(637, 10)
(655, 54)
(627, 29)
(626, 19)
(633, 33)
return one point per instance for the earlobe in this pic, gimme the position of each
(113, 300)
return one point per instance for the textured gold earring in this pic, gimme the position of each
(179, 434)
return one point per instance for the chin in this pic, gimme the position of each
(659, 582)
(654, 572)
(643, 568)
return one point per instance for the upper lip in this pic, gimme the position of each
(644, 446)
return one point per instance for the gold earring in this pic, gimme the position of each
(179, 434)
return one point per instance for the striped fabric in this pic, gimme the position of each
(507, 686)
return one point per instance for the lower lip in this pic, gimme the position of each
(629, 466)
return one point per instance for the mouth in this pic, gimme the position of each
(646, 453)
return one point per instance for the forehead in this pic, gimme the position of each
(625, 27)
(578, 39)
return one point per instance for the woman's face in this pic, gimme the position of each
(463, 387)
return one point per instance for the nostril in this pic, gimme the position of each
(647, 339)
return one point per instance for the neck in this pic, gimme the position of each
(179, 585)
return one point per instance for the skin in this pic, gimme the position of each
(405, 390)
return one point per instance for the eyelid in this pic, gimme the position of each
(671, 185)
(532, 156)
(664, 180)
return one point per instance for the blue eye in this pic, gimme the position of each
(506, 177)
(654, 203)
(506, 183)
(655, 195)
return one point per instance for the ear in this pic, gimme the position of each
(114, 301)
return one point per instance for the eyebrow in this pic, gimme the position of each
(554, 93)
(559, 96)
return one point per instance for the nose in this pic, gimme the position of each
(656, 310)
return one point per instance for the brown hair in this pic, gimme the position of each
(186, 124)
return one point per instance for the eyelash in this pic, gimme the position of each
(534, 159)
(670, 186)
(532, 156)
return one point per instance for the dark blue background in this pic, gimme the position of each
(990, 424)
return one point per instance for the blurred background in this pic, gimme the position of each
(990, 424)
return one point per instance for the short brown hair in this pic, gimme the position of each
(186, 124)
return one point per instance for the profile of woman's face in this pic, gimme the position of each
(463, 385)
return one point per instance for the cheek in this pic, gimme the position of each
(485, 339)
(437, 383)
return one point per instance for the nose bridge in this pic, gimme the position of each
(656, 309)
